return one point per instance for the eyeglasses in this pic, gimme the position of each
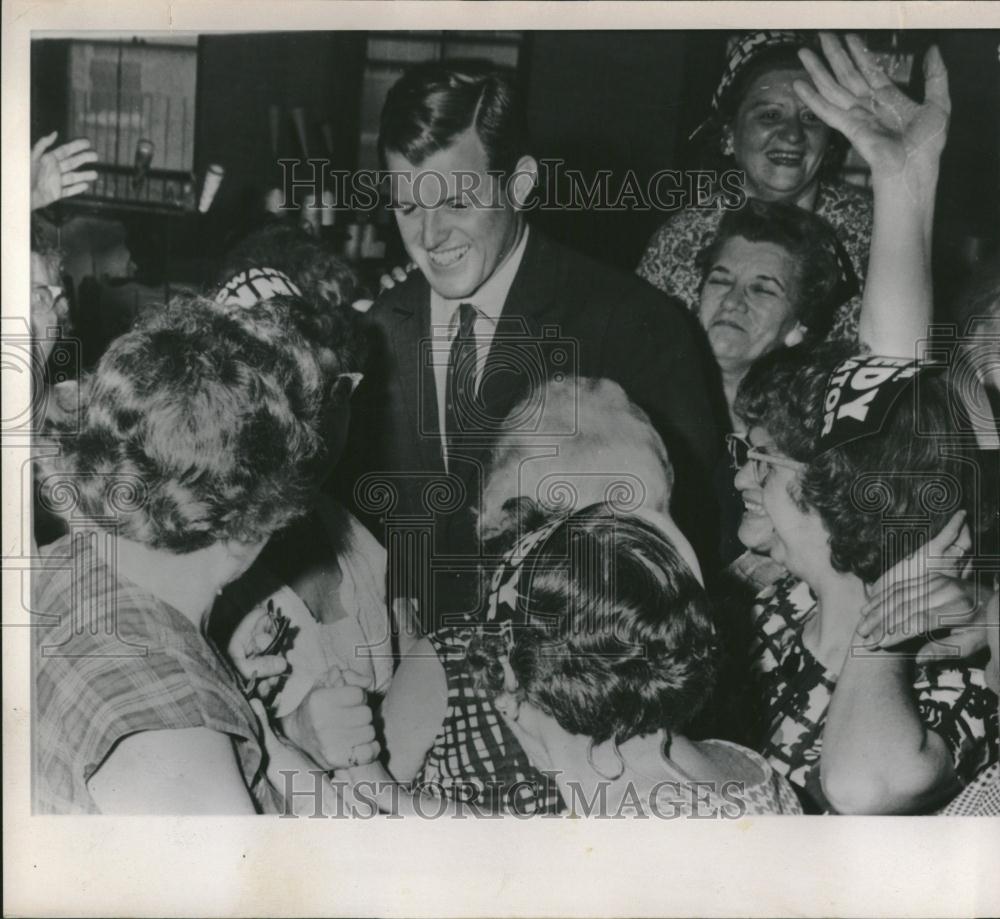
(741, 452)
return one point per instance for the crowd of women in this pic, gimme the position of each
(842, 659)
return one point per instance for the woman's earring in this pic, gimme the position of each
(727, 145)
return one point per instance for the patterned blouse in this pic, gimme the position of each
(475, 756)
(671, 259)
(113, 661)
(954, 700)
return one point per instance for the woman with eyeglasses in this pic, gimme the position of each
(844, 458)
(902, 141)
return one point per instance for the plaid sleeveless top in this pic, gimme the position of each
(475, 757)
(109, 660)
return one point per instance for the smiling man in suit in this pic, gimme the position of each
(494, 308)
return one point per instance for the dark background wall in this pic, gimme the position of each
(620, 104)
(618, 101)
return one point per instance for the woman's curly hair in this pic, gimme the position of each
(616, 639)
(877, 494)
(201, 425)
(329, 286)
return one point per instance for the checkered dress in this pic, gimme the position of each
(475, 756)
(115, 661)
(953, 699)
(980, 799)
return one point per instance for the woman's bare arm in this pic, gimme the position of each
(902, 142)
(182, 771)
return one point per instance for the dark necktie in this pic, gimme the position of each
(460, 381)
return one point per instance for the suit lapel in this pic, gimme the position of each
(411, 339)
(511, 365)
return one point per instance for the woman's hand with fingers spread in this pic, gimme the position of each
(57, 173)
(896, 135)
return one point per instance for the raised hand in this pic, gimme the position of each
(56, 173)
(895, 135)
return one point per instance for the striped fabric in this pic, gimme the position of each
(475, 756)
(114, 661)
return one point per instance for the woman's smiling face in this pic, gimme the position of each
(777, 140)
(756, 530)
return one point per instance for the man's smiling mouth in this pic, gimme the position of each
(445, 258)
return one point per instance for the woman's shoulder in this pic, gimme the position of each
(687, 223)
(841, 201)
(755, 782)
(670, 261)
(111, 644)
(117, 663)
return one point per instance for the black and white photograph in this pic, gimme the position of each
(479, 433)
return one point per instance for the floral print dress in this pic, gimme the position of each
(796, 690)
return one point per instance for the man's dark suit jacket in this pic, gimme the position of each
(564, 313)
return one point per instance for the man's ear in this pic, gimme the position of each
(523, 181)
(795, 335)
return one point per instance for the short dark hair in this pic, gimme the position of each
(808, 239)
(618, 640)
(211, 415)
(865, 489)
(329, 285)
(433, 103)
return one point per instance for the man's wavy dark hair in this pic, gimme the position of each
(879, 496)
(433, 103)
(617, 639)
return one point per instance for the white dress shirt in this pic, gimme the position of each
(488, 302)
